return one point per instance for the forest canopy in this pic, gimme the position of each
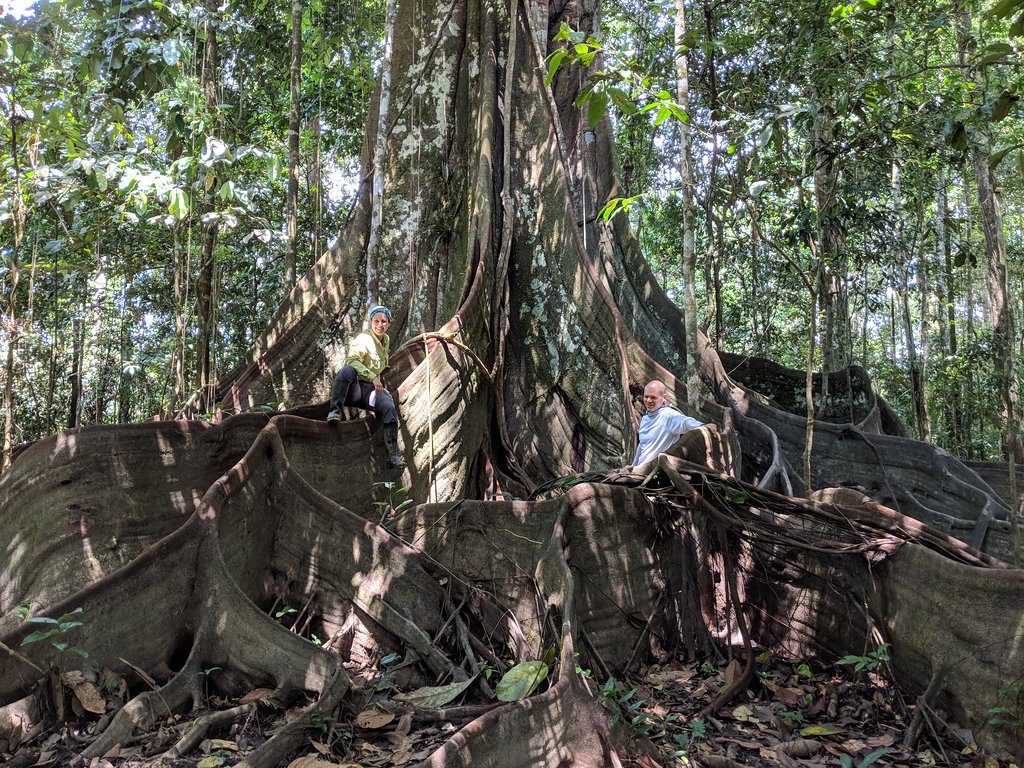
(145, 242)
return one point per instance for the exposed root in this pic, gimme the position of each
(201, 726)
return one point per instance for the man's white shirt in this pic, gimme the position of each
(660, 430)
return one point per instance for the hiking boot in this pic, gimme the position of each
(395, 460)
(339, 393)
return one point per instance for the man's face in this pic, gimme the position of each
(379, 324)
(654, 397)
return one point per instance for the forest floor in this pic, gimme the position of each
(792, 715)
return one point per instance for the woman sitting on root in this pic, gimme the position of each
(358, 382)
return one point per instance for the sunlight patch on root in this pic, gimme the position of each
(563, 726)
(233, 633)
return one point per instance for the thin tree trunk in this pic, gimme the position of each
(924, 283)
(10, 321)
(292, 203)
(686, 179)
(991, 219)
(178, 355)
(51, 389)
(914, 363)
(716, 227)
(316, 192)
(78, 335)
(864, 327)
(11, 328)
(947, 316)
(204, 282)
(832, 293)
(380, 146)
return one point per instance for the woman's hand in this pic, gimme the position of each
(378, 386)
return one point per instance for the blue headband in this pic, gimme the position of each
(380, 310)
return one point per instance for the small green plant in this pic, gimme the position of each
(804, 670)
(627, 703)
(58, 630)
(869, 662)
(322, 724)
(286, 611)
(390, 502)
(695, 730)
(205, 674)
(790, 715)
(845, 761)
(487, 669)
(582, 671)
(1009, 715)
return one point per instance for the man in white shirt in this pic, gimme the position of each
(661, 426)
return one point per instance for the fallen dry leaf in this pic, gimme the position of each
(373, 718)
(799, 747)
(744, 714)
(404, 725)
(670, 676)
(255, 695)
(310, 761)
(732, 672)
(85, 692)
(719, 761)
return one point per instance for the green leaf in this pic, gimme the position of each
(664, 113)
(956, 136)
(622, 101)
(758, 187)
(1002, 105)
(273, 168)
(1004, 8)
(170, 52)
(873, 757)
(554, 62)
(178, 204)
(820, 730)
(39, 635)
(434, 697)
(995, 52)
(522, 680)
(596, 108)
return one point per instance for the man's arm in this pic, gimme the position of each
(682, 423)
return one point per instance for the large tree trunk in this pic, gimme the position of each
(542, 325)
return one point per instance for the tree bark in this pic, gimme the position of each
(833, 293)
(689, 256)
(294, 125)
(205, 304)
